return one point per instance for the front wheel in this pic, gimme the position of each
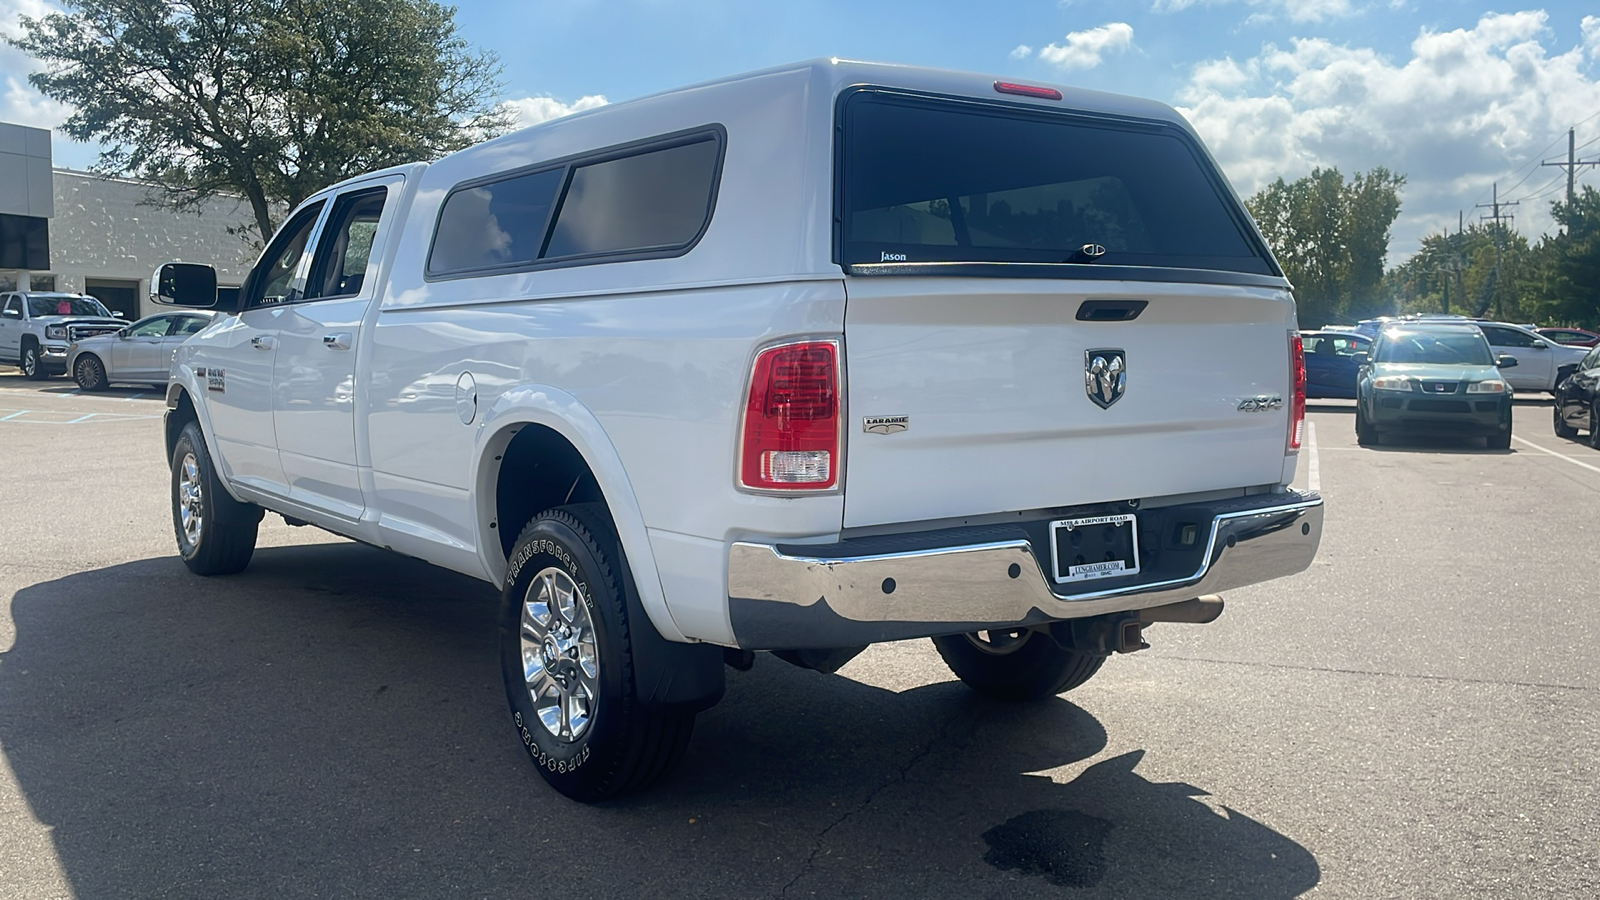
(216, 533)
(1017, 664)
(567, 661)
(32, 364)
(1594, 425)
(1563, 430)
(1366, 436)
(89, 373)
(1501, 441)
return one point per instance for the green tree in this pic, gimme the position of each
(1332, 238)
(271, 100)
(1572, 285)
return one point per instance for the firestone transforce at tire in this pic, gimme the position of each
(1022, 664)
(216, 533)
(566, 657)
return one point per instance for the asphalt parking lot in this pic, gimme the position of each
(1416, 716)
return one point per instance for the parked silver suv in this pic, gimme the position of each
(37, 327)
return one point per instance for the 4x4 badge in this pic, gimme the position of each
(1105, 376)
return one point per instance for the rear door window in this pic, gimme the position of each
(930, 180)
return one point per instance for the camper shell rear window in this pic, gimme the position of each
(928, 185)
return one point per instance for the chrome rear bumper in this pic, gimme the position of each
(786, 599)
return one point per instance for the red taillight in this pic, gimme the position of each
(1027, 90)
(1297, 406)
(791, 419)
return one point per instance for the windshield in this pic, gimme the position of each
(65, 306)
(1460, 348)
(928, 180)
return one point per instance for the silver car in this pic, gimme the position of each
(140, 353)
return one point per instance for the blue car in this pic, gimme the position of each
(1331, 362)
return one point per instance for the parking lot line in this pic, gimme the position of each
(1577, 462)
(1313, 468)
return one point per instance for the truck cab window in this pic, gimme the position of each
(279, 278)
(340, 267)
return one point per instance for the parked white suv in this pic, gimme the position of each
(799, 361)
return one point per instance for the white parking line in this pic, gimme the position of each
(1313, 468)
(135, 396)
(1577, 462)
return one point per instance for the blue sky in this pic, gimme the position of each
(1454, 95)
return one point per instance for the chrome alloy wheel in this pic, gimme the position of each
(30, 362)
(191, 497)
(560, 659)
(999, 643)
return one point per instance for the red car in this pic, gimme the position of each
(1572, 337)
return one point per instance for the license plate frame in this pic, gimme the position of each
(1106, 535)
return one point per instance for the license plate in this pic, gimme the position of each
(1095, 547)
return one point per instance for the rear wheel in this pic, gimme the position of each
(567, 661)
(1018, 664)
(216, 533)
(89, 373)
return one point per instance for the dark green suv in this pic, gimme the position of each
(1435, 378)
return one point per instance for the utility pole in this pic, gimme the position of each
(1499, 240)
(1572, 165)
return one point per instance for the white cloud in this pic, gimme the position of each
(1467, 108)
(1591, 34)
(1296, 10)
(533, 110)
(1023, 51)
(20, 104)
(1085, 49)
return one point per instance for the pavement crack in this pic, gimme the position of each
(899, 778)
(1457, 679)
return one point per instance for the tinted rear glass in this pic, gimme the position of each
(651, 201)
(937, 181)
(494, 225)
(1434, 348)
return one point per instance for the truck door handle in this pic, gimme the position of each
(339, 341)
(262, 342)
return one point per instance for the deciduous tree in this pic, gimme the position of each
(271, 100)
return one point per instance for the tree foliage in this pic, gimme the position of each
(271, 100)
(1332, 238)
(1555, 281)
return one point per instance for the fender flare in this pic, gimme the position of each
(553, 408)
(184, 381)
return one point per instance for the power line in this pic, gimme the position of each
(1499, 240)
(1573, 163)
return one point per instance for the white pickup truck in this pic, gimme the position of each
(795, 361)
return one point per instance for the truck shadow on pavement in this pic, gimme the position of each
(332, 723)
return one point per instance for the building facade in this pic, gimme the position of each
(76, 231)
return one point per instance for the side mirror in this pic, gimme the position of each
(1539, 345)
(1507, 362)
(118, 314)
(12, 313)
(184, 284)
(1362, 358)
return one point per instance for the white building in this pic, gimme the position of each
(76, 231)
